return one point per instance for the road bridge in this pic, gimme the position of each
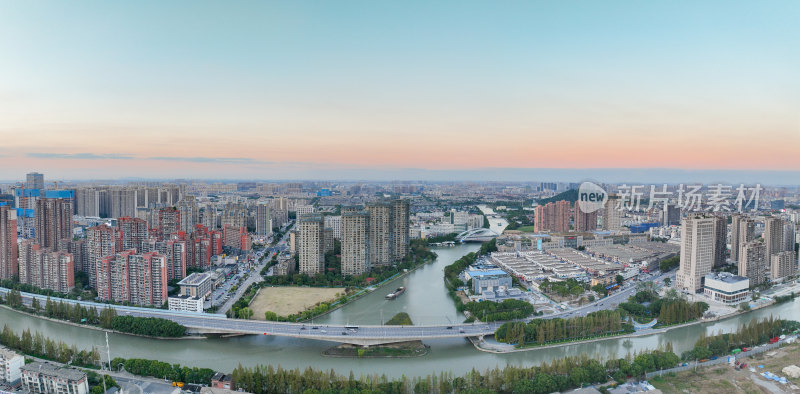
(363, 335)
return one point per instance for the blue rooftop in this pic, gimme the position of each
(473, 274)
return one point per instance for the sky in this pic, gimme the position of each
(399, 90)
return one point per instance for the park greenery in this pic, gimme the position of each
(559, 375)
(754, 333)
(106, 318)
(400, 319)
(544, 331)
(96, 385)
(670, 309)
(669, 264)
(566, 288)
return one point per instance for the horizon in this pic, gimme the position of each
(301, 89)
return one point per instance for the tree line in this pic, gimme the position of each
(37, 345)
(646, 305)
(754, 333)
(106, 318)
(542, 331)
(559, 375)
(488, 311)
(162, 370)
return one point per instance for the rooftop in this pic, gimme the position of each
(194, 279)
(53, 370)
(725, 277)
(474, 274)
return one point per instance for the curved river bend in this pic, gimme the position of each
(426, 301)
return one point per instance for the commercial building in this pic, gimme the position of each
(46, 268)
(263, 220)
(489, 280)
(782, 264)
(10, 366)
(311, 243)
(698, 241)
(47, 378)
(197, 285)
(34, 180)
(9, 267)
(726, 288)
(753, 262)
(184, 303)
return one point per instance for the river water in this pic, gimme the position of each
(426, 301)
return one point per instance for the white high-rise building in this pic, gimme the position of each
(335, 224)
(698, 235)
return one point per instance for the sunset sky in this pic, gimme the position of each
(371, 89)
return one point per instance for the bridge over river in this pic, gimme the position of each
(364, 335)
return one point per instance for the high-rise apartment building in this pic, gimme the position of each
(552, 217)
(753, 262)
(140, 279)
(190, 213)
(782, 264)
(773, 236)
(698, 241)
(612, 215)
(9, 266)
(400, 228)
(101, 242)
(133, 233)
(311, 244)
(672, 215)
(720, 238)
(584, 221)
(355, 241)
(743, 231)
(380, 233)
(169, 221)
(303, 210)
(34, 180)
(53, 221)
(335, 224)
(45, 268)
(263, 220)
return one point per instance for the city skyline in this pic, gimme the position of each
(412, 91)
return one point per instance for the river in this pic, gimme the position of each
(426, 301)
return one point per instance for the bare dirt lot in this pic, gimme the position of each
(290, 300)
(724, 379)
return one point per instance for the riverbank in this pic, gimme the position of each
(371, 289)
(96, 327)
(501, 348)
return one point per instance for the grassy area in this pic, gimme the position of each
(291, 300)
(526, 229)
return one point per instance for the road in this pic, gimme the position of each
(253, 276)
